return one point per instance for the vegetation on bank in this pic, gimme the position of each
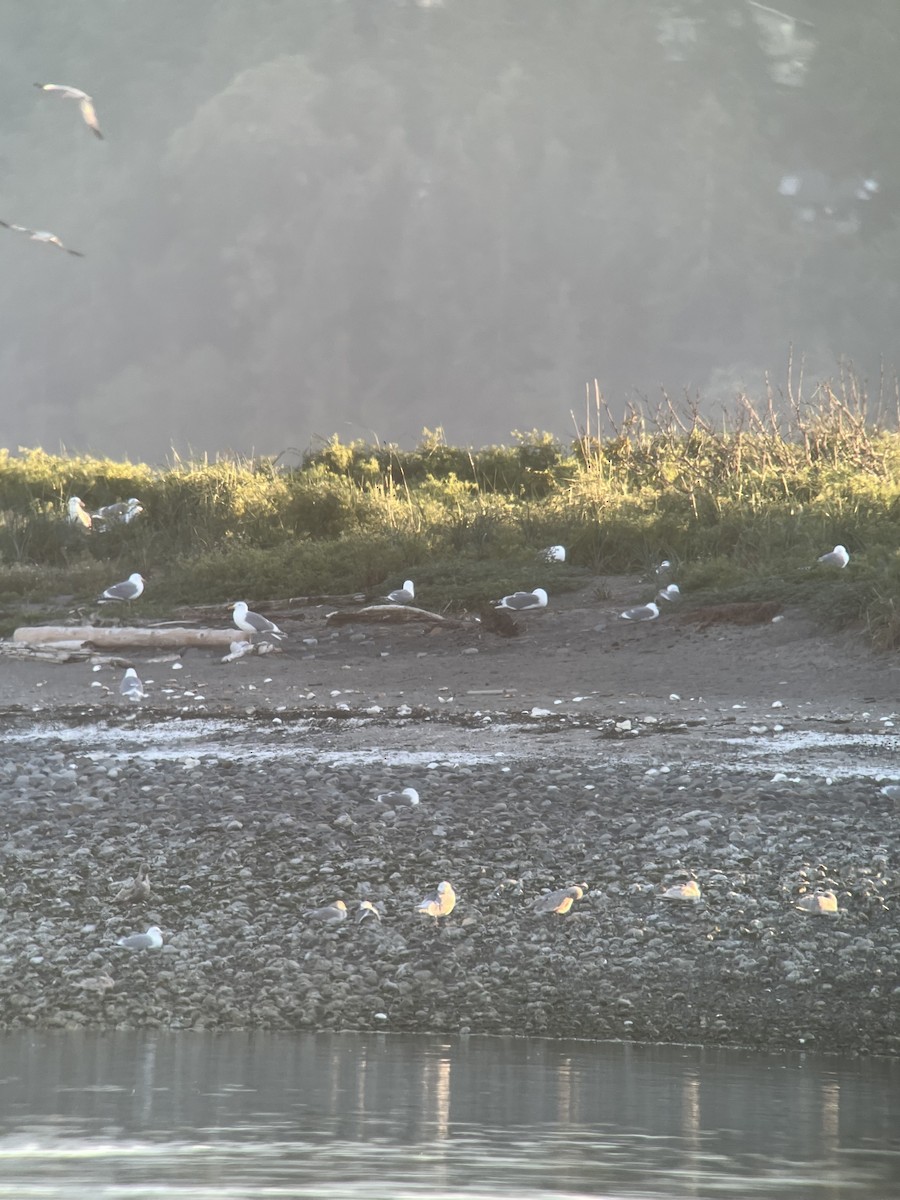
(742, 507)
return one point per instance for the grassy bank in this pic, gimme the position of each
(742, 508)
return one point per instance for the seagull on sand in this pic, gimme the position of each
(404, 595)
(253, 623)
(41, 235)
(641, 612)
(131, 687)
(85, 102)
(151, 940)
(558, 902)
(838, 557)
(671, 592)
(136, 889)
(78, 514)
(440, 903)
(331, 914)
(519, 601)
(129, 589)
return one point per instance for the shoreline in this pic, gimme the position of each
(239, 845)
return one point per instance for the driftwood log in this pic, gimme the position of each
(396, 614)
(117, 637)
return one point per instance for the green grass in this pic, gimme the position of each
(741, 509)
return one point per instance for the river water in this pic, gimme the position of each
(136, 1116)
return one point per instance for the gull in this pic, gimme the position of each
(838, 557)
(85, 102)
(683, 891)
(136, 889)
(408, 797)
(404, 595)
(519, 601)
(641, 612)
(253, 623)
(367, 912)
(41, 235)
(664, 567)
(671, 592)
(558, 902)
(331, 914)
(440, 903)
(892, 791)
(78, 514)
(129, 589)
(151, 940)
(553, 554)
(124, 511)
(131, 687)
(818, 902)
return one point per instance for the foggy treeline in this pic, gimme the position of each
(372, 216)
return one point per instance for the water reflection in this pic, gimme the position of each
(374, 1115)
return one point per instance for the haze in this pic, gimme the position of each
(367, 217)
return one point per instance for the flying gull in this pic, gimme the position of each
(131, 687)
(367, 912)
(331, 914)
(151, 940)
(838, 557)
(129, 589)
(519, 601)
(439, 903)
(136, 889)
(41, 235)
(404, 595)
(407, 798)
(558, 902)
(78, 514)
(253, 623)
(85, 102)
(641, 612)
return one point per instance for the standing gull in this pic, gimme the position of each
(41, 235)
(367, 912)
(151, 940)
(404, 595)
(641, 612)
(85, 102)
(78, 514)
(440, 903)
(129, 589)
(519, 601)
(558, 902)
(131, 687)
(253, 623)
(136, 889)
(838, 557)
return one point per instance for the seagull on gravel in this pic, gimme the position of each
(131, 687)
(85, 102)
(683, 891)
(253, 623)
(519, 601)
(78, 514)
(407, 798)
(440, 903)
(41, 235)
(838, 557)
(151, 940)
(129, 590)
(558, 902)
(331, 914)
(641, 612)
(136, 889)
(404, 595)
(367, 912)
(818, 902)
